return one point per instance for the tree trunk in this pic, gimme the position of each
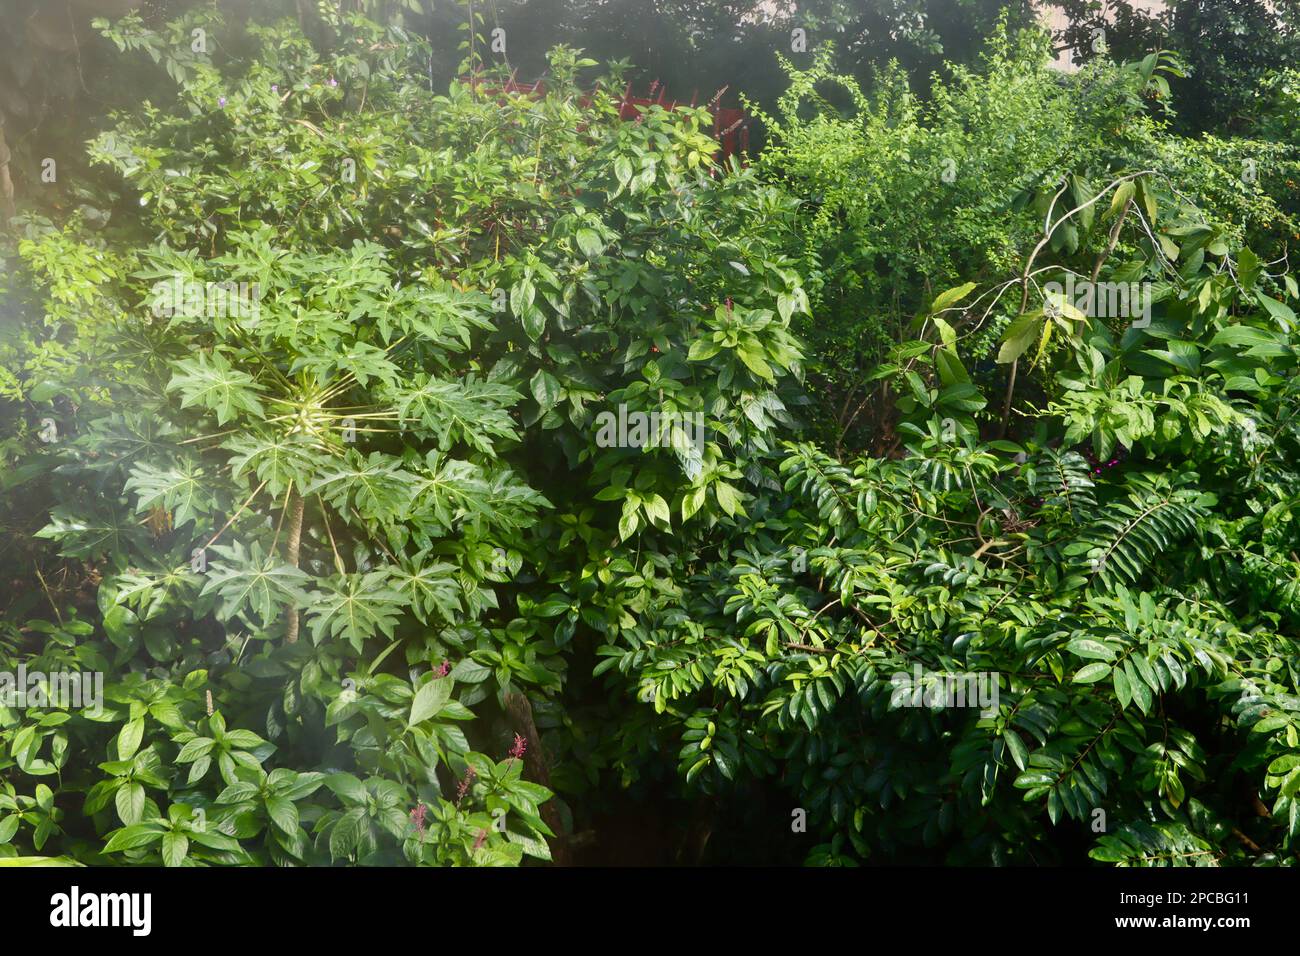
(520, 712)
(295, 539)
(6, 184)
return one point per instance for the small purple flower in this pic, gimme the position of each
(222, 102)
(333, 82)
(275, 87)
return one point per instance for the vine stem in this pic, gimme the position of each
(238, 512)
(1048, 229)
(1006, 401)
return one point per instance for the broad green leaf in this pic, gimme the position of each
(429, 700)
(1092, 673)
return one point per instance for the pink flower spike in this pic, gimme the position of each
(462, 788)
(520, 746)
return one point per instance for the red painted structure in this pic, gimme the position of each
(730, 126)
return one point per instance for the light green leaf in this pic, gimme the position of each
(429, 700)
(1092, 673)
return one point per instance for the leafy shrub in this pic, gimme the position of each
(340, 440)
(906, 197)
(313, 538)
(1116, 588)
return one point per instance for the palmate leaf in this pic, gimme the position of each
(181, 488)
(300, 327)
(443, 318)
(363, 361)
(148, 591)
(122, 437)
(276, 459)
(433, 589)
(450, 489)
(251, 580)
(211, 381)
(377, 486)
(513, 503)
(453, 491)
(356, 607)
(103, 530)
(466, 410)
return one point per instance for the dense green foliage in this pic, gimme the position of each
(371, 449)
(316, 447)
(907, 198)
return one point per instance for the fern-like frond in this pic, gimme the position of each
(1154, 844)
(1133, 533)
(1063, 481)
